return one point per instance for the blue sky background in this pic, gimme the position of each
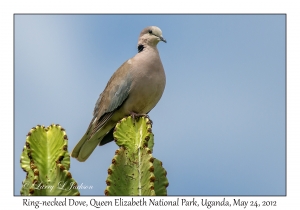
(220, 125)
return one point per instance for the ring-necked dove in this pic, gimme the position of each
(135, 88)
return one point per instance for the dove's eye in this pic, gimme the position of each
(150, 31)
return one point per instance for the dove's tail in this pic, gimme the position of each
(84, 147)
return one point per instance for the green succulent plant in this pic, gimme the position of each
(134, 170)
(46, 161)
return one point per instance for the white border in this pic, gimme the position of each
(8, 8)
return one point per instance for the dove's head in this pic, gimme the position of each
(151, 36)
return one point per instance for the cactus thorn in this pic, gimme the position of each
(61, 167)
(61, 158)
(36, 172)
(152, 178)
(69, 175)
(109, 171)
(31, 191)
(106, 193)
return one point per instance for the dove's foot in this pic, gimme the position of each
(136, 116)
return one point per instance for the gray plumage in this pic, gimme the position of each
(135, 87)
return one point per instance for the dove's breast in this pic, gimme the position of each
(148, 83)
